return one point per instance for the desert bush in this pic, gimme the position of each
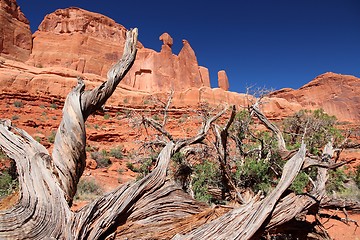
(356, 176)
(116, 152)
(205, 175)
(18, 104)
(53, 105)
(145, 167)
(316, 127)
(88, 189)
(51, 137)
(102, 158)
(106, 116)
(156, 117)
(132, 167)
(15, 117)
(255, 175)
(8, 176)
(336, 181)
(7, 184)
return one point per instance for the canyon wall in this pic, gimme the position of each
(74, 42)
(15, 33)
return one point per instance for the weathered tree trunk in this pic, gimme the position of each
(153, 207)
(48, 185)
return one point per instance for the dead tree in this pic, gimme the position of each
(152, 207)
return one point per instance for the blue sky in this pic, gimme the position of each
(259, 43)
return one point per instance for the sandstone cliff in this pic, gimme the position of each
(15, 34)
(72, 42)
(90, 43)
(337, 94)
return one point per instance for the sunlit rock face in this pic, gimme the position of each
(15, 33)
(223, 80)
(337, 94)
(90, 42)
(74, 42)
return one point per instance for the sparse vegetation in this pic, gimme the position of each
(356, 176)
(38, 139)
(51, 137)
(88, 189)
(316, 128)
(206, 175)
(336, 181)
(18, 104)
(8, 176)
(102, 158)
(15, 117)
(53, 105)
(116, 152)
(106, 116)
(156, 117)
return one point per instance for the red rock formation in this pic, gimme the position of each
(73, 40)
(19, 80)
(337, 94)
(79, 40)
(90, 43)
(167, 42)
(15, 33)
(223, 80)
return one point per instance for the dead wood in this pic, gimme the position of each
(243, 222)
(48, 185)
(154, 206)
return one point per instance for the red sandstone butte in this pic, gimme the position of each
(223, 80)
(15, 33)
(337, 94)
(90, 43)
(75, 42)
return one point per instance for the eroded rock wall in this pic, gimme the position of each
(15, 33)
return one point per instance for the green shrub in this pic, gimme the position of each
(18, 104)
(131, 166)
(156, 117)
(205, 174)
(88, 189)
(178, 157)
(336, 180)
(300, 183)
(51, 137)
(8, 177)
(357, 176)
(106, 116)
(7, 184)
(254, 174)
(102, 159)
(317, 127)
(15, 117)
(116, 152)
(53, 105)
